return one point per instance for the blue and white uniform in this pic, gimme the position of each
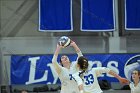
(90, 80)
(68, 84)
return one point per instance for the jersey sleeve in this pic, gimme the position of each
(77, 78)
(101, 70)
(79, 55)
(57, 66)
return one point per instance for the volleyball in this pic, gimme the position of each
(64, 41)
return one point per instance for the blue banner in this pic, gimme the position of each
(132, 14)
(39, 69)
(97, 15)
(55, 15)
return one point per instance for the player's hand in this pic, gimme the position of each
(72, 43)
(124, 81)
(58, 46)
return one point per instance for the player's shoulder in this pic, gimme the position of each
(74, 63)
(91, 70)
(131, 84)
(96, 69)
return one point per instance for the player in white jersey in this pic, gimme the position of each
(89, 76)
(135, 85)
(65, 70)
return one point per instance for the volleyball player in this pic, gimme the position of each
(65, 70)
(89, 76)
(135, 84)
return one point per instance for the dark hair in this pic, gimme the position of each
(83, 63)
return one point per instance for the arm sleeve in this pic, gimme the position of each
(101, 70)
(79, 55)
(77, 78)
(56, 65)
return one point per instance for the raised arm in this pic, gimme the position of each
(121, 79)
(100, 70)
(76, 48)
(54, 59)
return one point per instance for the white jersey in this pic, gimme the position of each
(135, 89)
(91, 84)
(68, 85)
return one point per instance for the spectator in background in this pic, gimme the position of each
(135, 84)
